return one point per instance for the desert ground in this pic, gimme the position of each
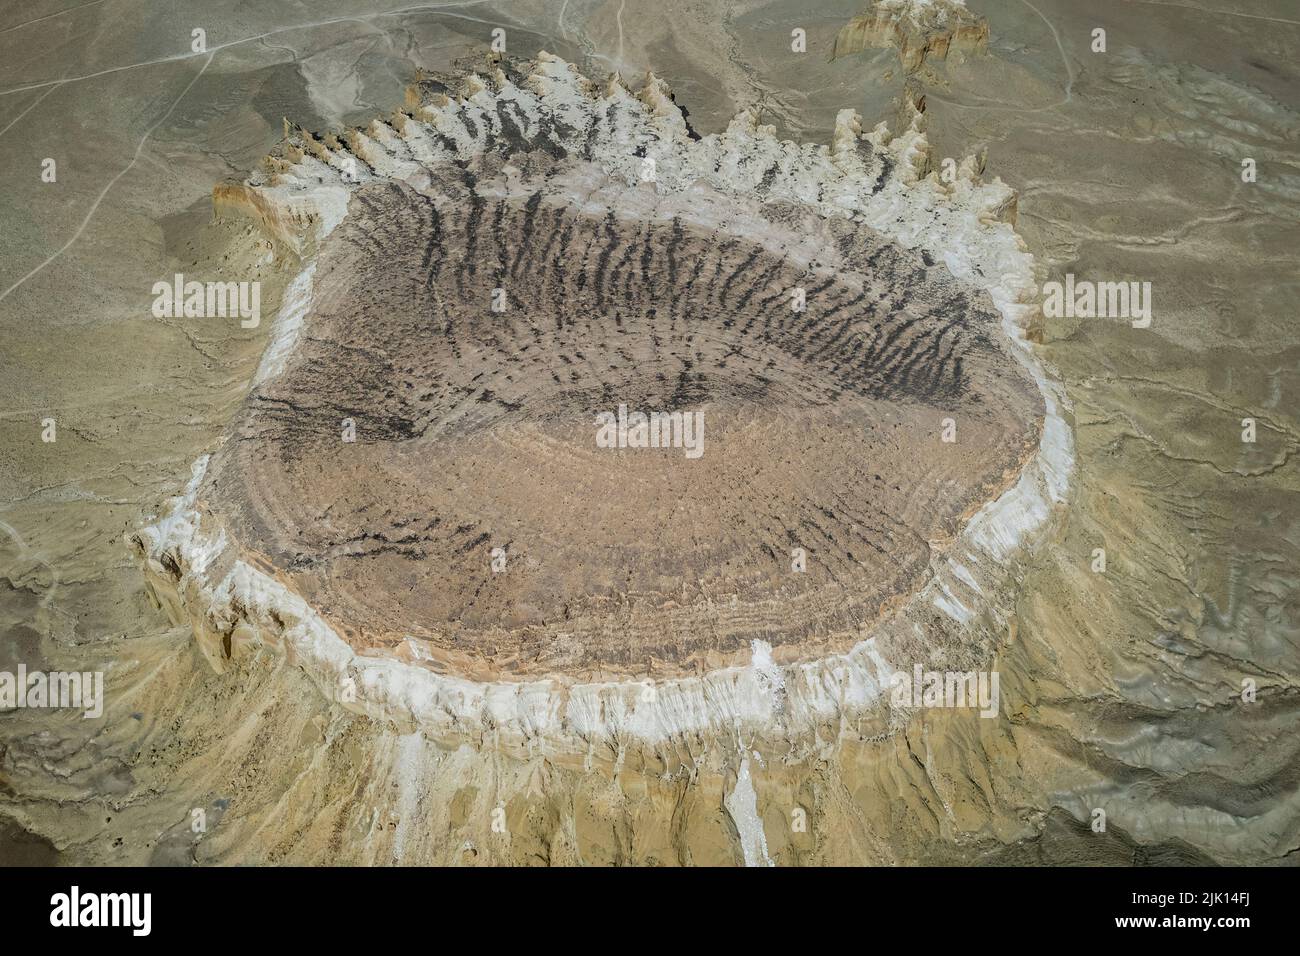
(1158, 686)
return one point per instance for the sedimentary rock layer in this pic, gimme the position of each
(918, 28)
(632, 263)
(475, 430)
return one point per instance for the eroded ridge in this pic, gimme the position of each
(917, 28)
(489, 270)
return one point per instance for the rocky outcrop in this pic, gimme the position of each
(918, 28)
(469, 143)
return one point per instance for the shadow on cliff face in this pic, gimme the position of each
(1065, 841)
(18, 847)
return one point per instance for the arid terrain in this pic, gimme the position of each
(365, 588)
(474, 428)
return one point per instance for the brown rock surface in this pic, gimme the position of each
(476, 429)
(918, 28)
